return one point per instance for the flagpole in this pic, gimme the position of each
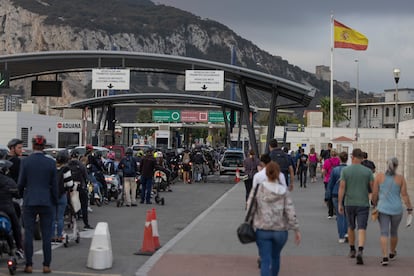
(331, 87)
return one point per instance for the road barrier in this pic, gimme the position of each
(100, 251)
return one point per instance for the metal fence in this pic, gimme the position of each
(380, 150)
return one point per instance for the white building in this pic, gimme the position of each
(59, 131)
(382, 114)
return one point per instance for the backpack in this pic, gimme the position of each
(282, 159)
(129, 168)
(75, 170)
(110, 167)
(65, 180)
(5, 225)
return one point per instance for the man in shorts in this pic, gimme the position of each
(356, 182)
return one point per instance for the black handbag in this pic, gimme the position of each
(245, 231)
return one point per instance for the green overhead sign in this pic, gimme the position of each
(166, 116)
(174, 116)
(217, 116)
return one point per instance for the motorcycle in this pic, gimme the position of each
(160, 181)
(113, 186)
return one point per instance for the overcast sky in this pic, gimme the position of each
(300, 32)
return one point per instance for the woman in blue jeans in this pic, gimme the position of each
(65, 183)
(332, 194)
(273, 217)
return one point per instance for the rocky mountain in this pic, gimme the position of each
(140, 26)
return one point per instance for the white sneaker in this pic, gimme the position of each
(341, 240)
(90, 209)
(330, 217)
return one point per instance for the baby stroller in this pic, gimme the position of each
(7, 242)
(72, 232)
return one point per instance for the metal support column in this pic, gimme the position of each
(98, 124)
(272, 118)
(240, 145)
(246, 110)
(226, 125)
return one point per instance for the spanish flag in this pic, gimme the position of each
(345, 37)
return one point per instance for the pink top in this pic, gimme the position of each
(313, 158)
(328, 165)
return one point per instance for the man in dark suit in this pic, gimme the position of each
(38, 186)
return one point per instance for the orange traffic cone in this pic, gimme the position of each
(148, 242)
(237, 179)
(154, 225)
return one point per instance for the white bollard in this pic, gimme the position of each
(100, 251)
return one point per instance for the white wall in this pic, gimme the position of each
(11, 124)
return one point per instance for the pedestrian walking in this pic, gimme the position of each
(38, 185)
(273, 217)
(280, 157)
(332, 194)
(250, 169)
(313, 164)
(356, 180)
(302, 167)
(328, 165)
(388, 190)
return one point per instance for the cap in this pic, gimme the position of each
(39, 140)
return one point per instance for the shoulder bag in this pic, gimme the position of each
(245, 232)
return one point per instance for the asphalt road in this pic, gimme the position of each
(126, 226)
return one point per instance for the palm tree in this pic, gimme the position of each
(339, 114)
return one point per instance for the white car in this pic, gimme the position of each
(231, 160)
(81, 150)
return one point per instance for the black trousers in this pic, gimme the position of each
(329, 202)
(83, 198)
(248, 183)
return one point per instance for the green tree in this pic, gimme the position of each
(262, 119)
(339, 114)
(144, 115)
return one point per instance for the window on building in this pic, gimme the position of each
(375, 112)
(365, 113)
(349, 113)
(408, 110)
(393, 112)
(25, 136)
(387, 112)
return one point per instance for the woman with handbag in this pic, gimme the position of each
(274, 215)
(250, 169)
(388, 190)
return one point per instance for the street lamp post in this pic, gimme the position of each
(357, 103)
(397, 115)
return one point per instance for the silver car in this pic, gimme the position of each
(231, 161)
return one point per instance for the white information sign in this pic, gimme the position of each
(117, 79)
(204, 80)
